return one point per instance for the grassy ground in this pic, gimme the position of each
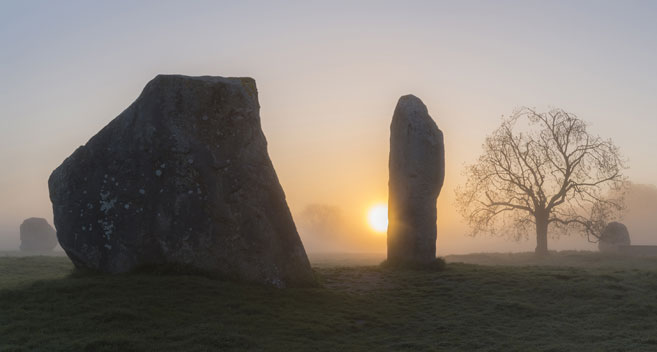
(582, 259)
(529, 307)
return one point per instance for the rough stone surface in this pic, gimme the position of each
(37, 235)
(614, 235)
(182, 176)
(417, 172)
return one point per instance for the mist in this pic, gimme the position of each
(327, 90)
(639, 217)
(326, 228)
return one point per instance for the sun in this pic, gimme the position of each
(377, 217)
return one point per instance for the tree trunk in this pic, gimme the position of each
(541, 235)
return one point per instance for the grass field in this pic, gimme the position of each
(567, 302)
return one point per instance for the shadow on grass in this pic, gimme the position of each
(153, 310)
(177, 269)
(463, 307)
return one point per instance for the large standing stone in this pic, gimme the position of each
(417, 172)
(614, 235)
(37, 235)
(182, 176)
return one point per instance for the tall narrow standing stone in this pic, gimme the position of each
(417, 172)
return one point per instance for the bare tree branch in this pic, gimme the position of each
(543, 169)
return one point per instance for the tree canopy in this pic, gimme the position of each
(543, 171)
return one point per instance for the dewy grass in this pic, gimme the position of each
(465, 307)
(437, 264)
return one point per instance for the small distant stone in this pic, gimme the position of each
(614, 235)
(37, 235)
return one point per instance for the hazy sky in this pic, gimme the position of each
(329, 75)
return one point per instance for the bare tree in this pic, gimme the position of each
(323, 220)
(543, 171)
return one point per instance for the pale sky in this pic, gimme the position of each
(329, 74)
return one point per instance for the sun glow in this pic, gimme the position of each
(377, 217)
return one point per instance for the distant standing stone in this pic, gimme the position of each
(37, 235)
(615, 234)
(417, 172)
(182, 176)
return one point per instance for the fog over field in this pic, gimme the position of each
(327, 229)
(329, 75)
(337, 234)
